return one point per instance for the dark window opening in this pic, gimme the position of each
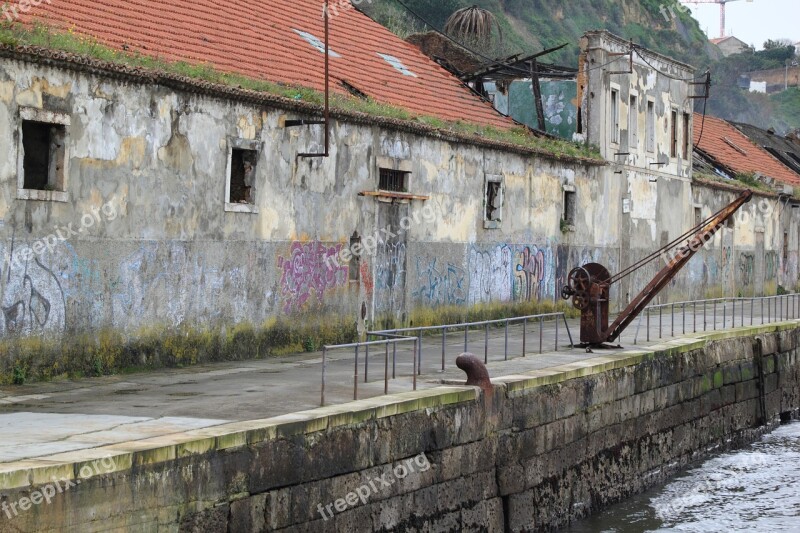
(355, 258)
(494, 201)
(43, 164)
(569, 207)
(698, 216)
(687, 140)
(243, 171)
(673, 145)
(393, 180)
(580, 120)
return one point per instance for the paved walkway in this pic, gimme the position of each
(45, 418)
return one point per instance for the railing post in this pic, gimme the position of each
(659, 321)
(752, 310)
(556, 336)
(386, 369)
(485, 343)
(647, 312)
(394, 360)
(466, 338)
(524, 334)
(684, 317)
(694, 317)
(569, 333)
(366, 360)
(724, 316)
(541, 334)
(355, 378)
(419, 352)
(414, 374)
(742, 313)
(715, 315)
(705, 321)
(672, 320)
(505, 347)
(324, 368)
(761, 299)
(444, 346)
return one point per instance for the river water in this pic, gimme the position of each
(756, 488)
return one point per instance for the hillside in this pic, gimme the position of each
(532, 25)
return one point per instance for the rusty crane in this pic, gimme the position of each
(589, 285)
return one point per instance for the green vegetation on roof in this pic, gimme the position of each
(16, 34)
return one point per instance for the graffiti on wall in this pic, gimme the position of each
(506, 273)
(439, 283)
(390, 276)
(747, 267)
(305, 275)
(33, 300)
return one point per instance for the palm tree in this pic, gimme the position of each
(472, 24)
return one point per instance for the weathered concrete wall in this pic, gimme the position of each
(545, 448)
(148, 240)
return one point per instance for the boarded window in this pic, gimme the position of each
(614, 116)
(242, 178)
(494, 201)
(569, 207)
(651, 126)
(393, 180)
(43, 164)
(633, 124)
(673, 144)
(698, 216)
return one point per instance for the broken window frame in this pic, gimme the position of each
(57, 178)
(633, 122)
(569, 207)
(614, 114)
(242, 145)
(493, 190)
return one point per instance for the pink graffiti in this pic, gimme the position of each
(312, 269)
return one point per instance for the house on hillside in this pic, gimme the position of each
(731, 45)
(137, 198)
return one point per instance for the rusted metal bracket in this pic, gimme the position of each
(327, 111)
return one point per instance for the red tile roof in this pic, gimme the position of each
(260, 39)
(732, 149)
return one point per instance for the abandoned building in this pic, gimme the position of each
(135, 197)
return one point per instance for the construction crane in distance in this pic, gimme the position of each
(721, 10)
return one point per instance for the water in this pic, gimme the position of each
(753, 489)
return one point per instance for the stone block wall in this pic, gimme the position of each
(546, 447)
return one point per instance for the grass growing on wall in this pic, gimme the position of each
(16, 34)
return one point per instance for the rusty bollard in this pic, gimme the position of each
(477, 375)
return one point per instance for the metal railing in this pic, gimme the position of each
(781, 307)
(484, 325)
(394, 341)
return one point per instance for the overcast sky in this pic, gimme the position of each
(752, 21)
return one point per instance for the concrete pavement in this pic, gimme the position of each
(41, 419)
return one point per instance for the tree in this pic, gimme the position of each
(472, 24)
(777, 43)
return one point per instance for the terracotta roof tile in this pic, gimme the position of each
(731, 148)
(258, 39)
